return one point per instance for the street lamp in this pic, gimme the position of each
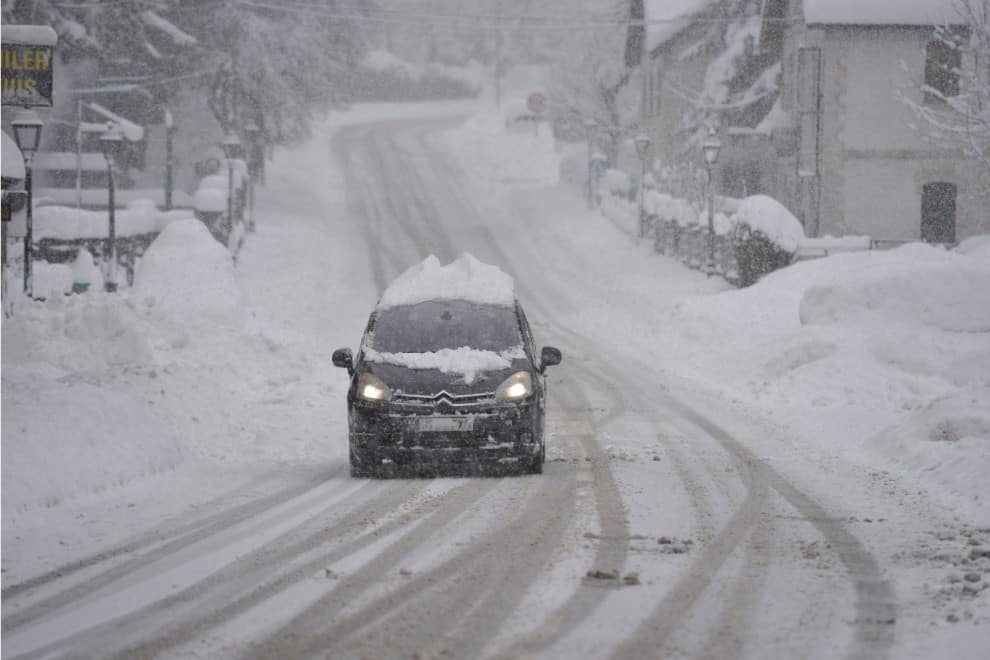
(710, 148)
(231, 149)
(27, 133)
(169, 159)
(110, 143)
(589, 127)
(642, 149)
(253, 132)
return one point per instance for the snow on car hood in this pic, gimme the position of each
(468, 362)
(465, 278)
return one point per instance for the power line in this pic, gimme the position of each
(494, 20)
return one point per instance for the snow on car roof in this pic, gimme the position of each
(465, 278)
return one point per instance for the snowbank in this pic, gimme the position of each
(977, 247)
(465, 278)
(187, 273)
(51, 279)
(75, 439)
(881, 354)
(913, 284)
(69, 427)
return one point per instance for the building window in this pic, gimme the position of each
(938, 212)
(942, 63)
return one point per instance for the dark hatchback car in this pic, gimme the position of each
(447, 386)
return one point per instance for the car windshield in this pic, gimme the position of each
(431, 326)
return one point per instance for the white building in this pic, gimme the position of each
(849, 156)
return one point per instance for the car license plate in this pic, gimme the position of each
(445, 424)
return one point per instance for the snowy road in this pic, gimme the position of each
(668, 523)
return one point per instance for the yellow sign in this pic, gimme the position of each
(27, 75)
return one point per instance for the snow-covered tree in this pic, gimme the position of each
(741, 82)
(269, 62)
(956, 109)
(593, 76)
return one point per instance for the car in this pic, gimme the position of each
(447, 377)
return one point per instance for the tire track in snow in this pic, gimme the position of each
(418, 214)
(875, 601)
(167, 541)
(234, 587)
(303, 634)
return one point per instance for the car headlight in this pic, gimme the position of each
(372, 388)
(516, 387)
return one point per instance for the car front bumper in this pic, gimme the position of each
(503, 436)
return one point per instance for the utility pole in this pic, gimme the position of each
(498, 55)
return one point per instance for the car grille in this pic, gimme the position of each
(442, 400)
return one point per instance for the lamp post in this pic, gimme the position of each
(589, 127)
(642, 149)
(169, 159)
(231, 147)
(110, 143)
(27, 133)
(710, 148)
(252, 131)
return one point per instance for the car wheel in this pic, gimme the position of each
(361, 464)
(536, 463)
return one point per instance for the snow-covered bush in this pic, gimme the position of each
(765, 237)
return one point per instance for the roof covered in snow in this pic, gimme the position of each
(666, 18)
(880, 12)
(32, 35)
(465, 278)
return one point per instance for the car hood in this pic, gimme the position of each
(429, 382)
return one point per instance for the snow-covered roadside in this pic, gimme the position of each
(882, 357)
(199, 378)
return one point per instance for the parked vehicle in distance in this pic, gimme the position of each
(447, 378)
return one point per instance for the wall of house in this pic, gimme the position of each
(872, 163)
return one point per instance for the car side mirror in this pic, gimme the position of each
(549, 356)
(343, 358)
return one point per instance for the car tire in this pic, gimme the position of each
(361, 464)
(535, 465)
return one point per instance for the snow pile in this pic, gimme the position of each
(86, 272)
(770, 217)
(51, 279)
(977, 247)
(892, 290)
(68, 223)
(72, 436)
(187, 273)
(465, 361)
(68, 426)
(881, 353)
(465, 278)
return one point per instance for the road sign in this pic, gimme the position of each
(597, 167)
(537, 103)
